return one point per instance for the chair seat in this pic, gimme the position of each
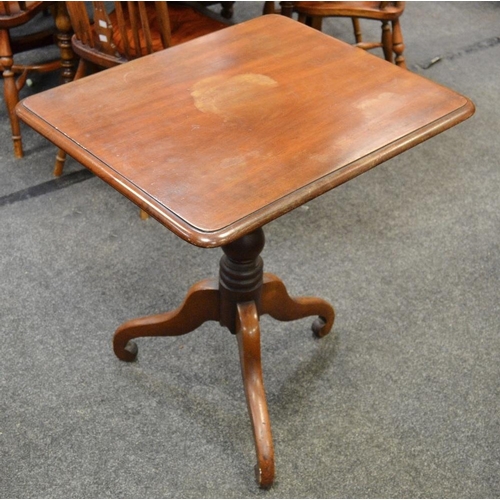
(186, 23)
(370, 10)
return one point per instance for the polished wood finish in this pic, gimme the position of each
(251, 370)
(242, 294)
(135, 29)
(200, 305)
(64, 33)
(388, 13)
(207, 148)
(14, 15)
(279, 305)
(132, 30)
(221, 135)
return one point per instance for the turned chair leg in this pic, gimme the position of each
(60, 161)
(286, 9)
(11, 93)
(398, 45)
(387, 41)
(358, 35)
(269, 8)
(63, 35)
(61, 154)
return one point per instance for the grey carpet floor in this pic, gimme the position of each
(401, 400)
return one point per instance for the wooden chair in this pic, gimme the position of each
(130, 31)
(14, 15)
(388, 13)
(227, 8)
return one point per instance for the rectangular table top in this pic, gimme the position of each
(220, 135)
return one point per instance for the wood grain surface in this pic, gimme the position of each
(220, 135)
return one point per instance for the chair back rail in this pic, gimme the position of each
(388, 13)
(126, 34)
(117, 33)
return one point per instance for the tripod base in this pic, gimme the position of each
(241, 295)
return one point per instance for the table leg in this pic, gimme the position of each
(251, 369)
(277, 303)
(201, 304)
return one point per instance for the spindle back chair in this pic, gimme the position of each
(132, 30)
(14, 15)
(388, 13)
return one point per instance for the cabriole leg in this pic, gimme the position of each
(201, 304)
(248, 336)
(277, 303)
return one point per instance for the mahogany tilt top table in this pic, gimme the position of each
(216, 137)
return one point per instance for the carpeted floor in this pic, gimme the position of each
(402, 400)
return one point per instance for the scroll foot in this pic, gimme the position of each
(201, 304)
(248, 335)
(277, 303)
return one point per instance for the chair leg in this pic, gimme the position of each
(286, 9)
(269, 8)
(398, 44)
(11, 93)
(60, 161)
(313, 22)
(64, 32)
(358, 35)
(387, 41)
(227, 10)
(61, 154)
